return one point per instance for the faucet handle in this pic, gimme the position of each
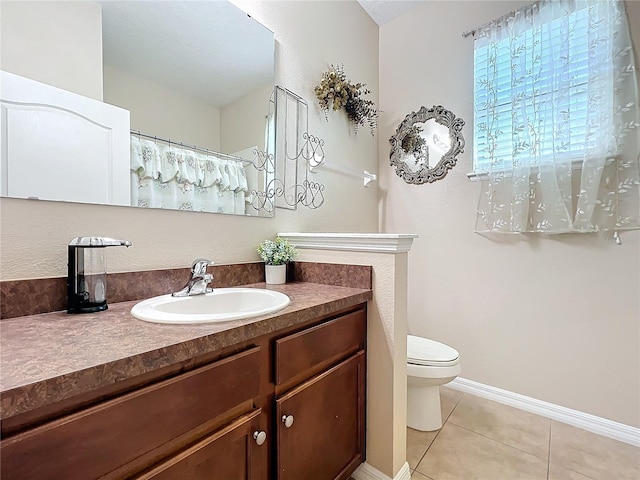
(200, 265)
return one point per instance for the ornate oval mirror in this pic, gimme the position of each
(426, 145)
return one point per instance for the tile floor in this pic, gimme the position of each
(485, 440)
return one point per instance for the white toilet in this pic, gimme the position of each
(429, 365)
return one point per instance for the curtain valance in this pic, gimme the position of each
(166, 163)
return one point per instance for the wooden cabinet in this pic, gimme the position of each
(321, 421)
(219, 421)
(321, 424)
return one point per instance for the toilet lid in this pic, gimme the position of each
(422, 351)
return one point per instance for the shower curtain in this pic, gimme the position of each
(173, 177)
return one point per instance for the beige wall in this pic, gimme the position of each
(243, 122)
(39, 40)
(167, 113)
(34, 234)
(555, 318)
(161, 111)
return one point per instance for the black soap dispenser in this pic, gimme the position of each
(87, 278)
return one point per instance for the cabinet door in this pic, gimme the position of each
(226, 454)
(326, 439)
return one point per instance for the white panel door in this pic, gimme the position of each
(58, 145)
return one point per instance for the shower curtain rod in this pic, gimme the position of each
(191, 147)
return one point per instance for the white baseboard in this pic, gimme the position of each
(601, 426)
(367, 472)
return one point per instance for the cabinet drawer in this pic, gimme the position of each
(93, 442)
(333, 340)
(224, 455)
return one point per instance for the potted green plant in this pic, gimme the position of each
(276, 254)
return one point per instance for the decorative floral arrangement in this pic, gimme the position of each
(278, 252)
(338, 91)
(413, 142)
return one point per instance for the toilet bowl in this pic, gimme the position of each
(429, 365)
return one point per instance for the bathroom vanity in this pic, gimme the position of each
(275, 397)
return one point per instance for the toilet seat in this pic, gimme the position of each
(423, 351)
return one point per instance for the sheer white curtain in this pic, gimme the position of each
(556, 120)
(166, 176)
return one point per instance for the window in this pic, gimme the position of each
(555, 88)
(533, 88)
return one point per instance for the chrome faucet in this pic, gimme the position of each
(198, 281)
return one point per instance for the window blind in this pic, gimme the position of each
(519, 112)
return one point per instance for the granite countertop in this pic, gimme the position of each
(51, 357)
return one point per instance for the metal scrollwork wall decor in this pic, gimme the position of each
(426, 145)
(296, 151)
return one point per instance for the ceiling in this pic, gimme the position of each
(149, 38)
(210, 50)
(383, 11)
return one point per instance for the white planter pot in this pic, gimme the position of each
(275, 274)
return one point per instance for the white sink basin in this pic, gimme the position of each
(221, 305)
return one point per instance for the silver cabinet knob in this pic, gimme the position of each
(287, 420)
(260, 437)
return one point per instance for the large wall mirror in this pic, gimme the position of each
(189, 73)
